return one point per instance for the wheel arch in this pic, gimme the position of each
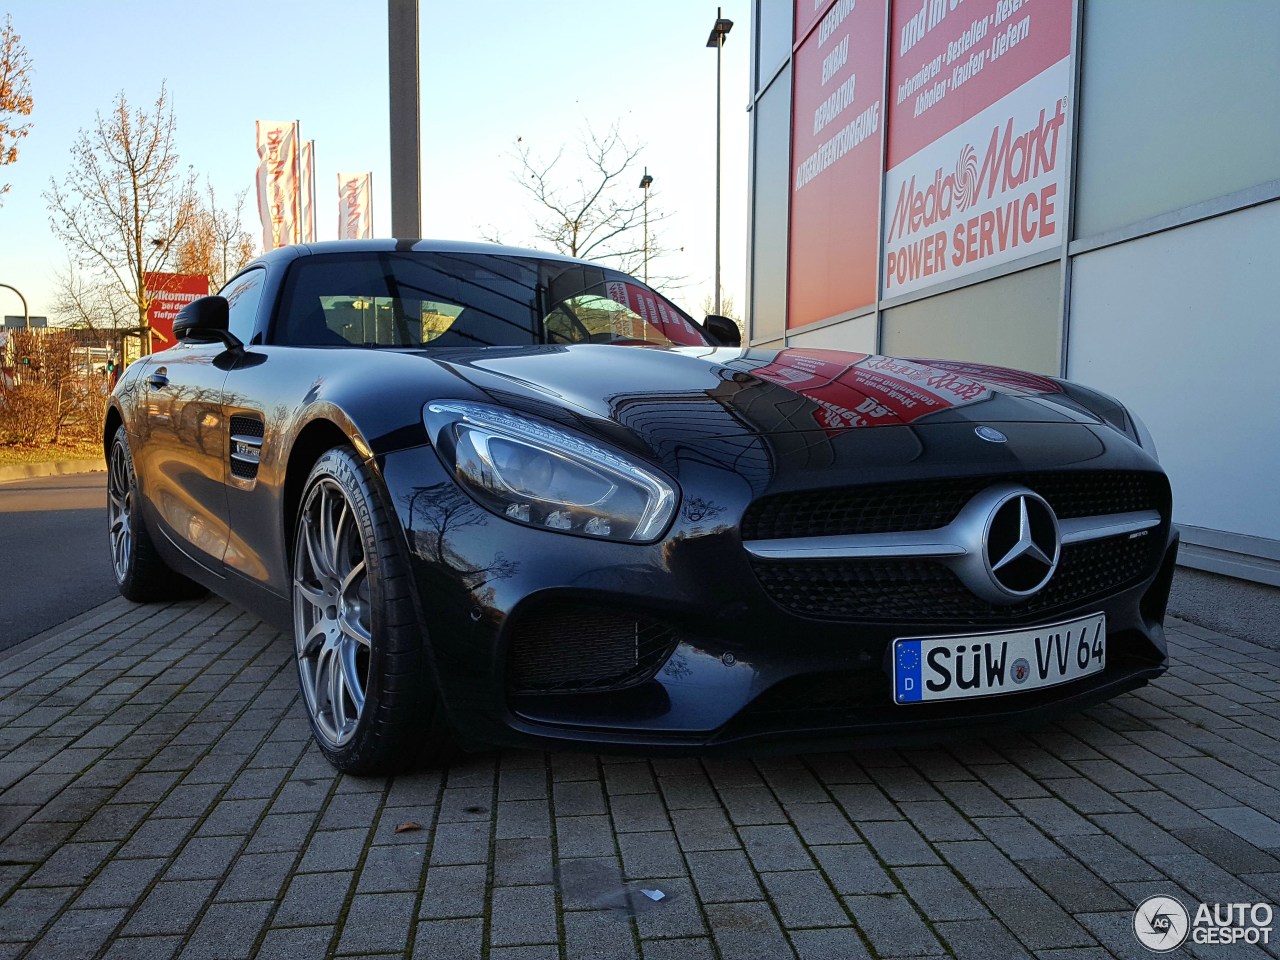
(113, 421)
(313, 440)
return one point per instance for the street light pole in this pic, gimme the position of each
(645, 183)
(716, 39)
(406, 144)
(26, 313)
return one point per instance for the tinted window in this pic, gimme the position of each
(243, 293)
(410, 299)
(618, 312)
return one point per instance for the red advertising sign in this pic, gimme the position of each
(977, 104)
(837, 131)
(807, 14)
(169, 293)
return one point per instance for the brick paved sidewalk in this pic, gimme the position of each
(161, 798)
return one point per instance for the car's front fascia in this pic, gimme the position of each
(514, 615)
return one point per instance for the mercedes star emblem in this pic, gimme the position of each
(1021, 544)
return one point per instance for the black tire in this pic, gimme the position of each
(140, 574)
(359, 643)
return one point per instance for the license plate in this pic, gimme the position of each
(981, 665)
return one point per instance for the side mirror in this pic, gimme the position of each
(205, 320)
(723, 330)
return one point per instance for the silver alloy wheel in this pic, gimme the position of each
(331, 612)
(119, 510)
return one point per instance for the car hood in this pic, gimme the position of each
(762, 392)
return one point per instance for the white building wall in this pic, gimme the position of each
(1184, 327)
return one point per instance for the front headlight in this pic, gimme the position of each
(540, 475)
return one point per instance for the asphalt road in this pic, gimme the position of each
(54, 558)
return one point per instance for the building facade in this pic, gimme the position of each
(1082, 188)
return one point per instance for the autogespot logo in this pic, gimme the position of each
(1161, 924)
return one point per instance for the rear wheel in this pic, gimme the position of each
(358, 640)
(140, 573)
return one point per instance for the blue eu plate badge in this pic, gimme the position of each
(907, 671)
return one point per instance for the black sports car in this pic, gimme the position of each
(501, 497)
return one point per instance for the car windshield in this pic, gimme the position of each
(419, 299)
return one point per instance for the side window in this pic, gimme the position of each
(243, 295)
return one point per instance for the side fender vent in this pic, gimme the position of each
(246, 446)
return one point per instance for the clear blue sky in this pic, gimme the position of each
(491, 72)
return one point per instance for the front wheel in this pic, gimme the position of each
(358, 640)
(141, 575)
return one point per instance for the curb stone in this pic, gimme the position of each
(52, 468)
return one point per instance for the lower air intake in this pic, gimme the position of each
(580, 648)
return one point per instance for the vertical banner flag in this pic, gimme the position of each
(837, 135)
(977, 140)
(355, 206)
(278, 183)
(169, 293)
(307, 191)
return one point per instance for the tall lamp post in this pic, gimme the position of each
(645, 183)
(405, 102)
(26, 313)
(716, 39)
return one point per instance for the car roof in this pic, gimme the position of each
(295, 251)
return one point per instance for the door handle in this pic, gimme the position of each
(158, 380)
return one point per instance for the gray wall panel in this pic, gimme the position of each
(858, 334)
(769, 217)
(773, 38)
(1177, 105)
(1012, 321)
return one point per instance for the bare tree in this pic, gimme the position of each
(589, 207)
(214, 243)
(87, 302)
(727, 308)
(15, 94)
(125, 201)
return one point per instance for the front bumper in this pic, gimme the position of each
(740, 672)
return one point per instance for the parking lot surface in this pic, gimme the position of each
(161, 798)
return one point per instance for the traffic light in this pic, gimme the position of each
(111, 365)
(26, 361)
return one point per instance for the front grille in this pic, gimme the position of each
(575, 648)
(927, 504)
(925, 591)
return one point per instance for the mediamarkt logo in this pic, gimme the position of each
(1008, 163)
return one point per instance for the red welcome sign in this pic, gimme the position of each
(169, 293)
